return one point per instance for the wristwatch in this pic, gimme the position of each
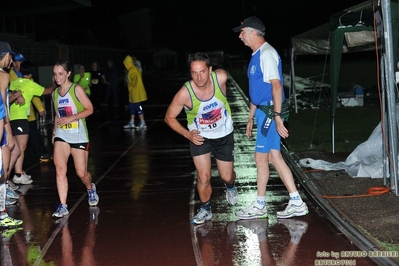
(276, 114)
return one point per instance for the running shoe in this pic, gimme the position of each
(202, 216)
(10, 222)
(129, 125)
(24, 179)
(252, 212)
(26, 175)
(232, 195)
(12, 194)
(93, 198)
(293, 210)
(62, 210)
(142, 125)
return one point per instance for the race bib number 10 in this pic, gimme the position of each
(73, 126)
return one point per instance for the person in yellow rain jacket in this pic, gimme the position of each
(137, 93)
(83, 78)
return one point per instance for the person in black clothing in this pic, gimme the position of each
(97, 83)
(112, 84)
(35, 137)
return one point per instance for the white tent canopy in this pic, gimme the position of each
(317, 42)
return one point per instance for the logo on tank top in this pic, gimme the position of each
(63, 101)
(252, 70)
(209, 106)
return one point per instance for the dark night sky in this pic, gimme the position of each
(189, 25)
(209, 23)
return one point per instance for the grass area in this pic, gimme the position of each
(312, 128)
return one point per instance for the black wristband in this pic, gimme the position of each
(276, 114)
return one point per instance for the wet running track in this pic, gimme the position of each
(146, 183)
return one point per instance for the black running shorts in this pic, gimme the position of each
(222, 148)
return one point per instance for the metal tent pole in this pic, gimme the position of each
(392, 122)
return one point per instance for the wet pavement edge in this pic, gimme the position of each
(361, 241)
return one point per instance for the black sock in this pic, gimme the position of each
(229, 186)
(206, 205)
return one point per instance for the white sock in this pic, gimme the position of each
(295, 198)
(260, 202)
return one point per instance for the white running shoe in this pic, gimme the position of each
(252, 212)
(293, 210)
(93, 198)
(202, 216)
(142, 125)
(61, 211)
(24, 179)
(129, 125)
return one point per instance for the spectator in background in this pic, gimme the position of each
(11, 155)
(16, 64)
(97, 84)
(112, 84)
(19, 118)
(5, 63)
(137, 93)
(34, 134)
(83, 78)
(35, 138)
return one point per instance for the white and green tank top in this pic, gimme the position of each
(213, 116)
(67, 105)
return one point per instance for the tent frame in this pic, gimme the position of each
(334, 45)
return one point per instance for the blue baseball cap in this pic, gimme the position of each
(19, 57)
(5, 48)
